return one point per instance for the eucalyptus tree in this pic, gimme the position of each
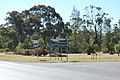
(94, 18)
(114, 37)
(3, 37)
(13, 40)
(99, 22)
(108, 35)
(15, 19)
(27, 25)
(46, 21)
(39, 20)
(76, 22)
(117, 48)
(67, 30)
(119, 23)
(107, 25)
(116, 29)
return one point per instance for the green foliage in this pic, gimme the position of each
(83, 33)
(97, 47)
(19, 46)
(41, 42)
(117, 47)
(90, 49)
(4, 49)
(27, 44)
(41, 20)
(56, 51)
(111, 48)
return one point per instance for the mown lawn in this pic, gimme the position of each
(71, 58)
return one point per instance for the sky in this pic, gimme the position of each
(63, 7)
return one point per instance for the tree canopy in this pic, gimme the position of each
(43, 23)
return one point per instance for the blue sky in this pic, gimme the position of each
(63, 7)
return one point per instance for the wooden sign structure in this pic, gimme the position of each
(61, 45)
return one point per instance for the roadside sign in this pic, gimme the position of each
(35, 43)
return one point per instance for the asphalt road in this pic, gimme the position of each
(59, 71)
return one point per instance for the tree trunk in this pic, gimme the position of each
(75, 50)
(96, 35)
(100, 36)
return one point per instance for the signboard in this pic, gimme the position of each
(35, 43)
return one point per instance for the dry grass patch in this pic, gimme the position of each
(21, 58)
(71, 58)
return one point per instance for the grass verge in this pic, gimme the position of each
(71, 58)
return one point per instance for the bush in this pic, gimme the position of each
(117, 48)
(27, 44)
(97, 47)
(105, 50)
(39, 52)
(90, 49)
(19, 47)
(4, 49)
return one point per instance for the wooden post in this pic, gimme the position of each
(61, 53)
(58, 51)
(67, 54)
(50, 52)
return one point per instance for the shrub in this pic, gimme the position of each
(90, 49)
(19, 47)
(4, 49)
(117, 48)
(27, 44)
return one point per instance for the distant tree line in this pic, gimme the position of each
(92, 29)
